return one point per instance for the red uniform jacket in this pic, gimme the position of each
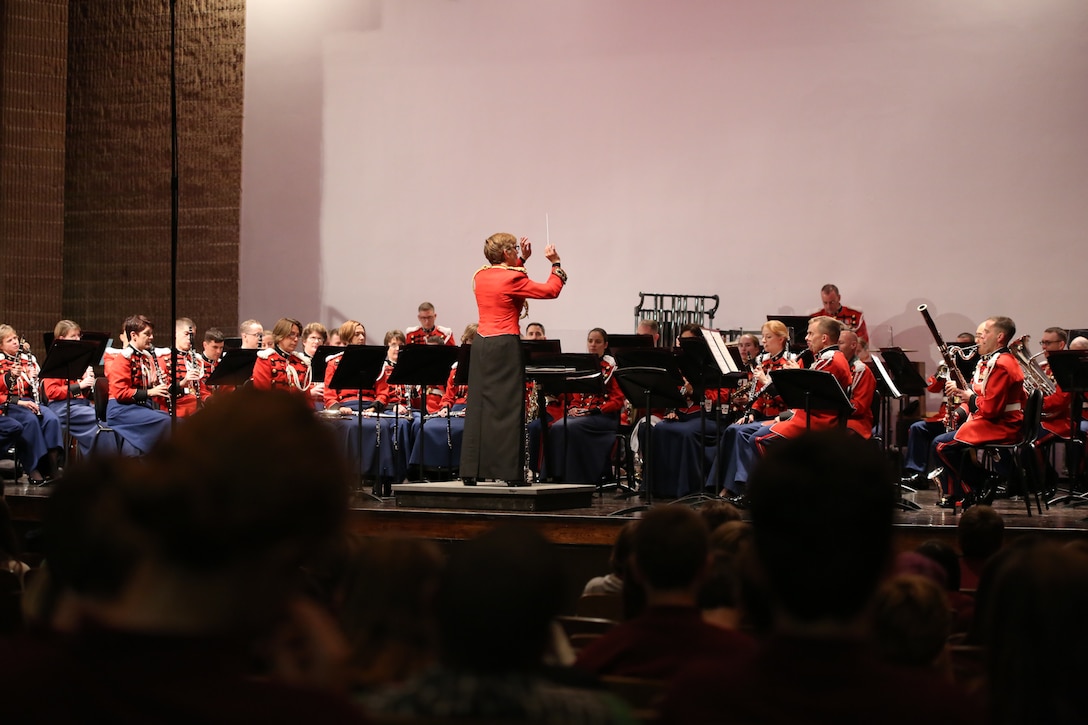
(997, 409)
(343, 395)
(187, 400)
(768, 406)
(853, 319)
(57, 389)
(19, 385)
(861, 397)
(454, 394)
(416, 335)
(1057, 408)
(501, 292)
(275, 369)
(387, 394)
(130, 374)
(834, 362)
(610, 402)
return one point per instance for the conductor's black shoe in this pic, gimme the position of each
(468, 481)
(518, 483)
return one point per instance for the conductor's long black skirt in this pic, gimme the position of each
(494, 442)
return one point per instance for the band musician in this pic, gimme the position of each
(139, 394)
(833, 307)
(995, 404)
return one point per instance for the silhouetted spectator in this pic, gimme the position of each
(821, 508)
(671, 560)
(981, 532)
(196, 556)
(495, 603)
(1036, 650)
(911, 621)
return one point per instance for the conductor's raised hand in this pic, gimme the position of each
(526, 248)
(551, 254)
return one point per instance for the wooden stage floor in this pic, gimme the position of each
(596, 525)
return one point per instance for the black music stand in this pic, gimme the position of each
(651, 377)
(234, 368)
(809, 390)
(797, 326)
(67, 360)
(359, 369)
(617, 343)
(320, 362)
(1070, 370)
(423, 365)
(888, 390)
(703, 370)
(558, 374)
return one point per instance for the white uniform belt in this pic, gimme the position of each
(1012, 406)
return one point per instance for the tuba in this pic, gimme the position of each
(1035, 377)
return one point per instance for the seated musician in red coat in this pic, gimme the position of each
(427, 332)
(823, 340)
(138, 391)
(1057, 420)
(862, 386)
(996, 405)
(191, 395)
(281, 366)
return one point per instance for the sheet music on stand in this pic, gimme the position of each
(886, 379)
(721, 354)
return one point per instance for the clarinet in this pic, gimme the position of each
(160, 375)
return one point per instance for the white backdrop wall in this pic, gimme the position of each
(907, 150)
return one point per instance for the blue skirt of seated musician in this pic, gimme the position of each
(47, 423)
(386, 440)
(681, 454)
(139, 425)
(442, 447)
(25, 434)
(736, 456)
(82, 424)
(583, 455)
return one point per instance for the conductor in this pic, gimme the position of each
(494, 444)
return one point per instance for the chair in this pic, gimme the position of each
(101, 401)
(623, 463)
(600, 606)
(585, 625)
(1021, 451)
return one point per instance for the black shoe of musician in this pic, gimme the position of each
(911, 479)
(740, 502)
(949, 502)
(518, 483)
(468, 481)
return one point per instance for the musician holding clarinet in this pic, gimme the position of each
(138, 393)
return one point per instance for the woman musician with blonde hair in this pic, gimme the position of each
(78, 415)
(735, 451)
(23, 394)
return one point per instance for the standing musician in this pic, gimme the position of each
(921, 433)
(138, 391)
(823, 340)
(191, 394)
(23, 394)
(996, 406)
(494, 443)
(833, 307)
(735, 450)
(862, 386)
(280, 366)
(426, 332)
(79, 417)
(588, 431)
(444, 436)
